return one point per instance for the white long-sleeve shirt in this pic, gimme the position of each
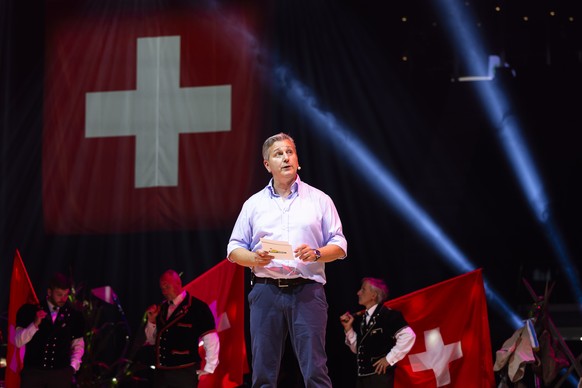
(405, 339)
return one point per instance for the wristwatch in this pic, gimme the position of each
(317, 254)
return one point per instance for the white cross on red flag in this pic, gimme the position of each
(453, 342)
(150, 116)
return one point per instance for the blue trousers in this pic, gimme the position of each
(301, 313)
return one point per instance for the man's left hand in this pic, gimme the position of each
(381, 366)
(304, 253)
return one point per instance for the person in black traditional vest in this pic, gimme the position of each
(52, 333)
(175, 327)
(382, 336)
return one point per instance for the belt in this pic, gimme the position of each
(281, 283)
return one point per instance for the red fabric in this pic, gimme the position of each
(21, 292)
(89, 183)
(222, 288)
(457, 310)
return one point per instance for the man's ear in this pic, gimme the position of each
(266, 164)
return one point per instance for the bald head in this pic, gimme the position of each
(170, 284)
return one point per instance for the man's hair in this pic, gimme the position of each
(61, 281)
(379, 287)
(271, 140)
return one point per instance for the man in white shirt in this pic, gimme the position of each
(288, 296)
(382, 336)
(52, 333)
(175, 328)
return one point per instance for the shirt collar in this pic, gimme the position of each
(177, 300)
(371, 310)
(294, 187)
(51, 306)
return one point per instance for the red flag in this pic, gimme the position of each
(453, 345)
(222, 288)
(21, 292)
(150, 116)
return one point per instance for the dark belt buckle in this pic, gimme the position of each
(281, 283)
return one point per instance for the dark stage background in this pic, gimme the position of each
(429, 130)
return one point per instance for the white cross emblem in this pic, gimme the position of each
(436, 357)
(158, 111)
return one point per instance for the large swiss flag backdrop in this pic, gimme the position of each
(150, 116)
(453, 344)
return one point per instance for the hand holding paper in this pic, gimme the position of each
(279, 249)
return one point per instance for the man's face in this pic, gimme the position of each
(58, 296)
(366, 297)
(283, 161)
(170, 287)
